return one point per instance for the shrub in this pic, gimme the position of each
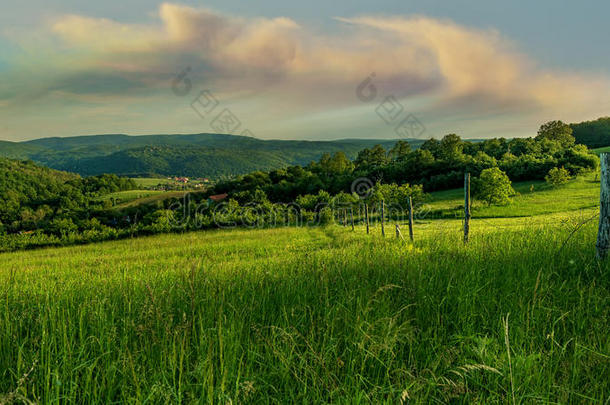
(493, 186)
(557, 176)
(326, 216)
(62, 227)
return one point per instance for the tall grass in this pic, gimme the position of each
(310, 315)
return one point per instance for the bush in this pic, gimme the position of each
(62, 227)
(557, 176)
(493, 186)
(326, 216)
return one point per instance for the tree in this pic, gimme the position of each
(255, 180)
(398, 194)
(557, 131)
(557, 176)
(493, 186)
(62, 226)
(400, 150)
(451, 147)
(433, 146)
(496, 147)
(336, 164)
(523, 146)
(313, 202)
(371, 158)
(344, 200)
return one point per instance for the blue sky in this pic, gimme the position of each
(290, 69)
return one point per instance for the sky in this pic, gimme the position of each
(316, 70)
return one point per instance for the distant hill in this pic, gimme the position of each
(14, 150)
(594, 134)
(196, 155)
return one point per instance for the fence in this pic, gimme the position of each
(372, 213)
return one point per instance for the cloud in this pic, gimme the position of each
(482, 65)
(412, 54)
(215, 39)
(100, 34)
(436, 65)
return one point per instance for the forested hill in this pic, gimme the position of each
(27, 191)
(198, 155)
(594, 134)
(35, 197)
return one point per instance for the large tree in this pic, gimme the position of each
(557, 131)
(400, 151)
(371, 158)
(451, 147)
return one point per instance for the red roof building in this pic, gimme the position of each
(218, 197)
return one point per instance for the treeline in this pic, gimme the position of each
(594, 134)
(436, 165)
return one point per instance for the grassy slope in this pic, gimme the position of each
(580, 193)
(131, 198)
(153, 196)
(315, 315)
(151, 182)
(131, 195)
(601, 150)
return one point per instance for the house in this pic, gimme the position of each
(217, 198)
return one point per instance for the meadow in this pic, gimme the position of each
(130, 195)
(132, 198)
(147, 182)
(322, 314)
(599, 151)
(533, 198)
(144, 195)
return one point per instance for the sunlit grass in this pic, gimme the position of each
(533, 198)
(313, 315)
(151, 182)
(602, 150)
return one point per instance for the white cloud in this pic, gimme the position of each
(436, 64)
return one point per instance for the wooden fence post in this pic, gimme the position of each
(351, 216)
(466, 206)
(603, 233)
(344, 218)
(382, 218)
(398, 233)
(411, 219)
(366, 217)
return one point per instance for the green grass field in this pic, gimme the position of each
(602, 150)
(144, 195)
(307, 315)
(146, 182)
(130, 195)
(533, 198)
(130, 198)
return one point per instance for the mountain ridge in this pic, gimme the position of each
(194, 155)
